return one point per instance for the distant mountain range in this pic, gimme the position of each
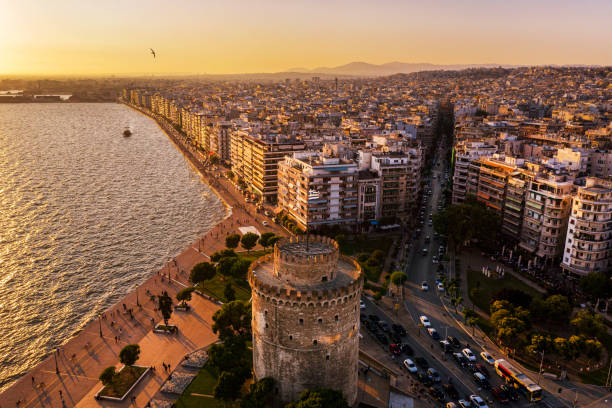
(390, 68)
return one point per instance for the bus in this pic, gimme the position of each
(518, 380)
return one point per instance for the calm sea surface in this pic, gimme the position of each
(85, 216)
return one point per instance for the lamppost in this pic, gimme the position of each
(137, 302)
(56, 367)
(100, 323)
(541, 363)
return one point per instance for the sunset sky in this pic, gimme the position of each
(214, 37)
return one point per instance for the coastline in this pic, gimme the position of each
(69, 375)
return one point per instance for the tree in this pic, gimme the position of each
(540, 343)
(509, 321)
(108, 375)
(264, 240)
(249, 240)
(228, 386)
(232, 241)
(184, 296)
(202, 271)
(229, 293)
(472, 322)
(233, 319)
(597, 285)
(378, 256)
(224, 266)
(588, 323)
(456, 301)
(515, 296)
(323, 398)
(164, 304)
(259, 395)
(562, 347)
(232, 355)
(224, 253)
(240, 268)
(593, 348)
(557, 307)
(129, 354)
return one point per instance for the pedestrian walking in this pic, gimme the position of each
(33, 380)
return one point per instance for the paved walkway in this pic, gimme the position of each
(81, 360)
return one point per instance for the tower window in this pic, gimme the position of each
(324, 279)
(266, 325)
(320, 321)
(314, 342)
(336, 317)
(327, 357)
(265, 312)
(301, 321)
(290, 337)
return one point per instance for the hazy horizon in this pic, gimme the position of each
(68, 37)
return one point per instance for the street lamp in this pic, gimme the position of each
(540, 372)
(137, 302)
(100, 323)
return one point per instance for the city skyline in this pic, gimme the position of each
(70, 38)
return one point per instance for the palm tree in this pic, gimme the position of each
(456, 301)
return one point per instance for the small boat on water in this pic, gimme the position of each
(127, 132)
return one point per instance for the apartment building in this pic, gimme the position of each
(316, 190)
(467, 152)
(547, 203)
(255, 157)
(220, 140)
(588, 245)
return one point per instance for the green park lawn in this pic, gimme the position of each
(123, 381)
(203, 384)
(489, 286)
(215, 287)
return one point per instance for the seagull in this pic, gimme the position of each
(152, 52)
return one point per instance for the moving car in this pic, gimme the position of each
(464, 403)
(399, 329)
(436, 393)
(424, 286)
(433, 333)
(468, 354)
(384, 326)
(481, 380)
(395, 349)
(510, 391)
(440, 287)
(434, 260)
(362, 304)
(406, 349)
(425, 321)
(482, 369)
(446, 346)
(453, 341)
(410, 366)
(487, 357)
(460, 359)
(433, 374)
(478, 402)
(424, 378)
(500, 395)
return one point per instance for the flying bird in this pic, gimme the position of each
(152, 52)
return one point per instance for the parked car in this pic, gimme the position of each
(487, 357)
(406, 349)
(410, 366)
(433, 333)
(424, 378)
(478, 402)
(451, 391)
(468, 354)
(399, 329)
(395, 349)
(436, 393)
(362, 304)
(464, 403)
(421, 362)
(440, 287)
(384, 326)
(500, 395)
(425, 321)
(453, 341)
(433, 374)
(424, 251)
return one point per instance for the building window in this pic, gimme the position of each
(320, 321)
(301, 322)
(324, 279)
(266, 325)
(327, 357)
(336, 317)
(290, 337)
(314, 342)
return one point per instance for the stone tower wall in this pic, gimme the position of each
(306, 339)
(304, 269)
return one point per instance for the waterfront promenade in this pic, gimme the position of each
(81, 359)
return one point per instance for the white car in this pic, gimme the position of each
(478, 402)
(424, 286)
(434, 260)
(468, 354)
(362, 304)
(464, 404)
(487, 357)
(425, 321)
(264, 223)
(440, 287)
(410, 366)
(433, 333)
